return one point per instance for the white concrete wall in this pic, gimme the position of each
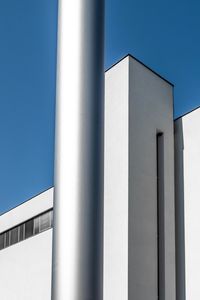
(191, 136)
(25, 267)
(116, 183)
(151, 111)
(138, 104)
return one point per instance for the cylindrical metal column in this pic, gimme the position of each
(78, 213)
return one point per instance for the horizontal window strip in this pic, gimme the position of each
(27, 229)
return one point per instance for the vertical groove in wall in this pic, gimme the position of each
(128, 167)
(179, 210)
(160, 216)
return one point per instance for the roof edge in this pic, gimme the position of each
(187, 113)
(139, 61)
(29, 199)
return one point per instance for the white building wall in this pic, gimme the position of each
(116, 183)
(138, 104)
(25, 267)
(151, 111)
(191, 160)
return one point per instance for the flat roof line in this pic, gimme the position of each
(139, 61)
(187, 113)
(26, 201)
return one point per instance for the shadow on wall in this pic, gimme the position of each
(179, 209)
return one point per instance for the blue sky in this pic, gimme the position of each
(165, 35)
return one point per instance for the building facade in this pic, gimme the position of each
(26, 250)
(139, 212)
(151, 181)
(187, 134)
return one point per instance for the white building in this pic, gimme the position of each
(26, 250)
(187, 131)
(139, 215)
(144, 231)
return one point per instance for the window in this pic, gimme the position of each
(51, 212)
(160, 216)
(14, 236)
(36, 225)
(21, 232)
(27, 229)
(7, 243)
(45, 221)
(1, 241)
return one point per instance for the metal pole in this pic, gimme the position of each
(77, 242)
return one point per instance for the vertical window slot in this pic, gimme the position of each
(160, 216)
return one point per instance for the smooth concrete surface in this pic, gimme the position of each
(26, 267)
(191, 136)
(138, 105)
(116, 182)
(151, 111)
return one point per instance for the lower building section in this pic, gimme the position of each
(25, 272)
(26, 250)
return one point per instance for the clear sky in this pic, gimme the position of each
(165, 35)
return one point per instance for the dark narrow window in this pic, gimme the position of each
(6, 241)
(28, 228)
(51, 218)
(45, 221)
(160, 216)
(21, 232)
(14, 236)
(1, 241)
(36, 225)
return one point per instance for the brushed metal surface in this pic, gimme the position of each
(77, 242)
